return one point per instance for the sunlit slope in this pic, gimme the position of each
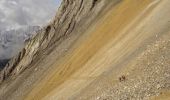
(117, 38)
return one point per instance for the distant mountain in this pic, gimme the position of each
(11, 41)
(3, 63)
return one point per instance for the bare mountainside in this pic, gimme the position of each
(95, 50)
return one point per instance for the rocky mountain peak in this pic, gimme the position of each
(70, 14)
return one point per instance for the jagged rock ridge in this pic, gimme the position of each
(69, 16)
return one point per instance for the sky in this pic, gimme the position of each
(18, 13)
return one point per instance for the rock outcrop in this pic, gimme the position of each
(70, 15)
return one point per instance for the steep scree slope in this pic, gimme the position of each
(96, 50)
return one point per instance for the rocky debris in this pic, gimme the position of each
(122, 78)
(150, 75)
(70, 14)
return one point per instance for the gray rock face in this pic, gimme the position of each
(70, 15)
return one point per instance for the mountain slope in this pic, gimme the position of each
(96, 50)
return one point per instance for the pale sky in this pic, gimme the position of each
(17, 13)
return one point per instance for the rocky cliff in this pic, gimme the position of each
(70, 15)
(95, 50)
